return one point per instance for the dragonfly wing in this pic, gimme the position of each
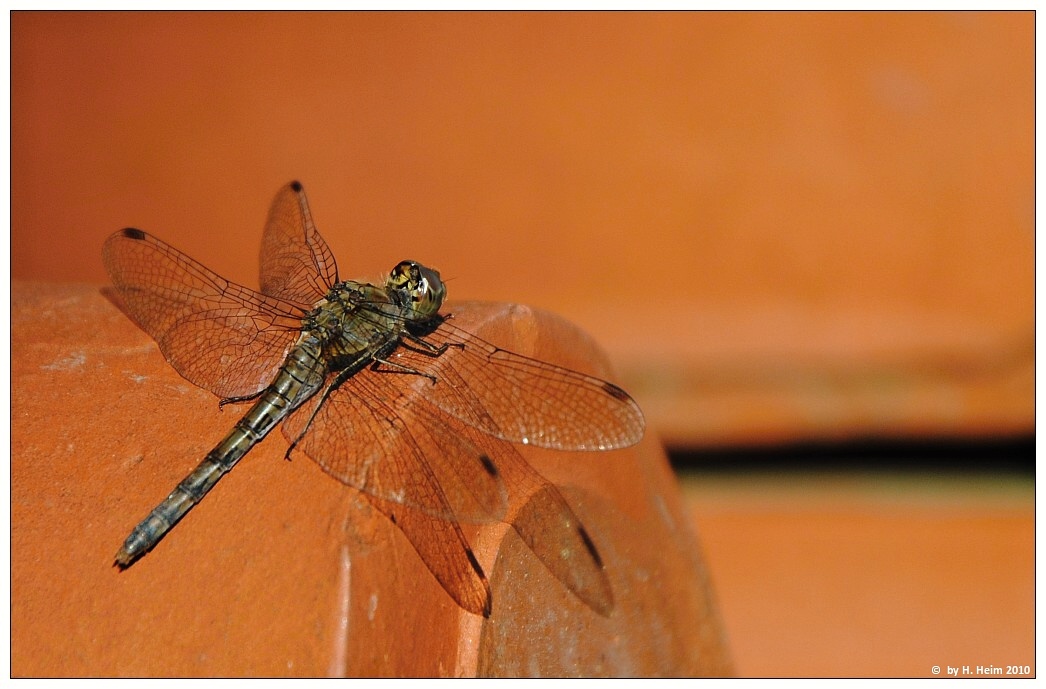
(558, 538)
(296, 263)
(548, 526)
(376, 436)
(442, 547)
(221, 336)
(520, 399)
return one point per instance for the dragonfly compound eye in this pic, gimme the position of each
(421, 285)
(430, 292)
(404, 276)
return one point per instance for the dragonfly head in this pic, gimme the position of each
(422, 286)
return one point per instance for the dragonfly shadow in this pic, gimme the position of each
(116, 300)
(539, 515)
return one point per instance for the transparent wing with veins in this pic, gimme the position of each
(296, 263)
(520, 399)
(223, 337)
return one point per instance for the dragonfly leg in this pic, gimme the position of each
(399, 368)
(334, 385)
(427, 348)
(236, 400)
(419, 345)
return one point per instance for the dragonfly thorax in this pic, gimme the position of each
(357, 321)
(354, 321)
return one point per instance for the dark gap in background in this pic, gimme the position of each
(1012, 455)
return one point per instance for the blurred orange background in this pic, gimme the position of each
(728, 202)
(781, 226)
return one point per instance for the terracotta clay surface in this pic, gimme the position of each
(282, 570)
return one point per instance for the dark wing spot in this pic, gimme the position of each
(488, 464)
(296, 186)
(132, 233)
(392, 517)
(590, 545)
(475, 564)
(488, 605)
(616, 392)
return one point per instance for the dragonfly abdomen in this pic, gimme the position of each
(186, 495)
(299, 378)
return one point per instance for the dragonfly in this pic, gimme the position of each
(383, 391)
